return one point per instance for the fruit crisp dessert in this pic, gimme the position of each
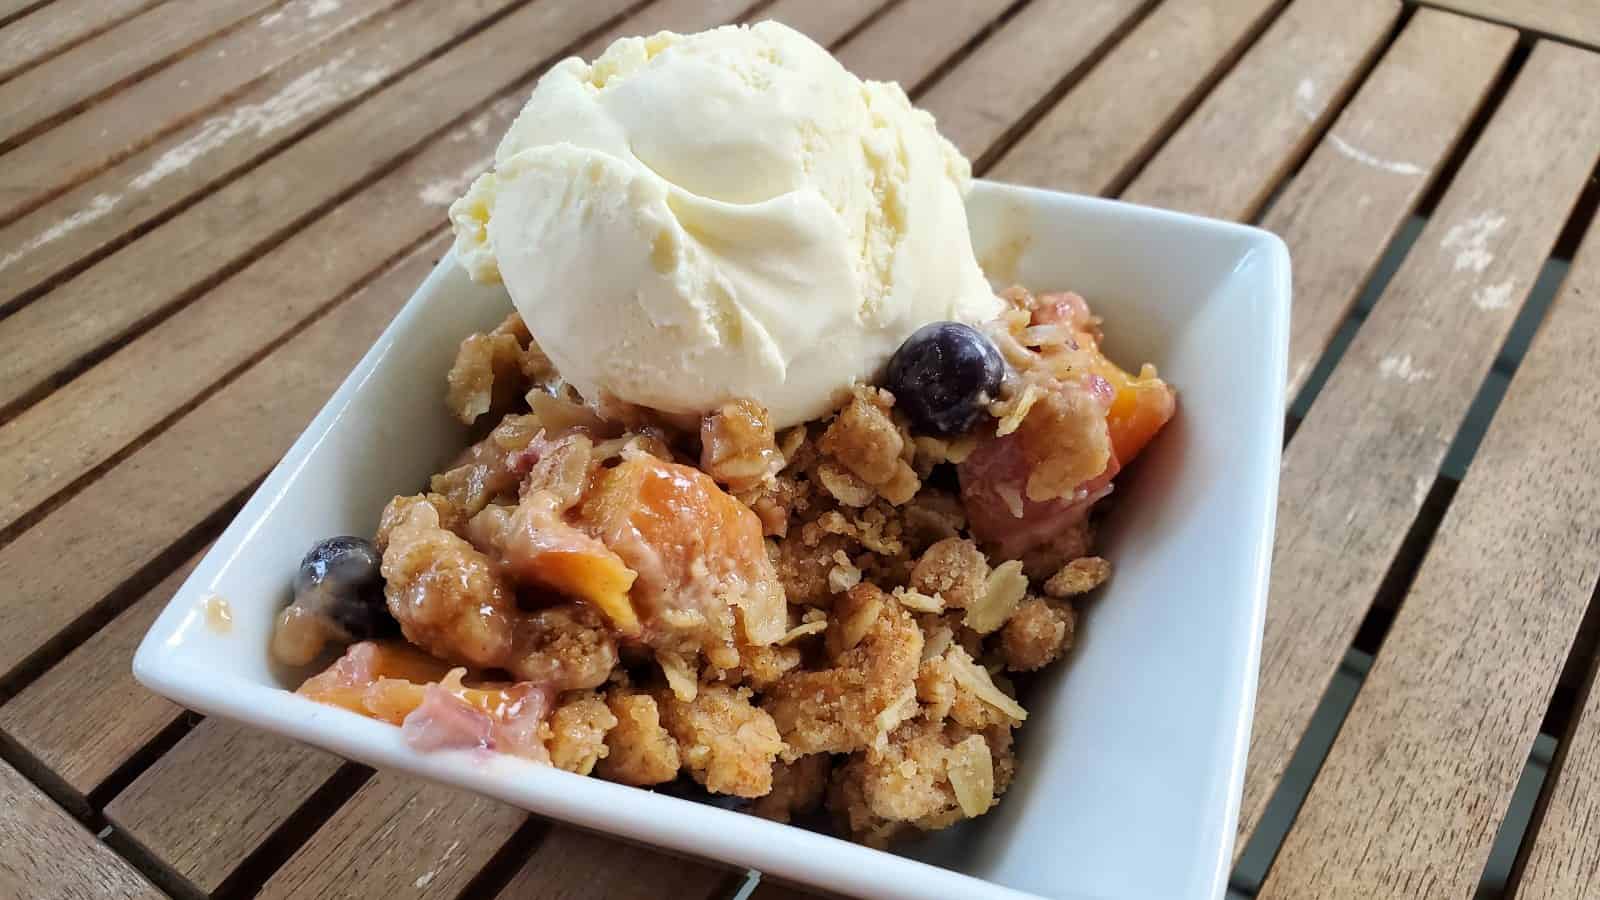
(767, 490)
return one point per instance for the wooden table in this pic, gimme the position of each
(209, 208)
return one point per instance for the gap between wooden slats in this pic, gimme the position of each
(12, 10)
(1378, 430)
(136, 116)
(1418, 101)
(120, 204)
(38, 36)
(54, 90)
(1574, 21)
(49, 856)
(117, 287)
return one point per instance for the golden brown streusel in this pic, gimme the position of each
(399, 508)
(738, 448)
(639, 750)
(487, 376)
(803, 560)
(955, 569)
(913, 781)
(576, 732)
(811, 614)
(946, 689)
(1037, 635)
(445, 593)
(867, 689)
(865, 440)
(726, 743)
(1080, 576)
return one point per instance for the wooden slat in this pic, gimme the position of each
(399, 839)
(10, 8)
(1102, 128)
(1351, 197)
(1358, 469)
(60, 25)
(86, 716)
(909, 42)
(210, 474)
(573, 865)
(276, 396)
(76, 227)
(101, 63)
(133, 117)
(233, 785)
(1566, 849)
(199, 243)
(824, 21)
(1337, 216)
(983, 97)
(45, 855)
(1574, 20)
(1239, 143)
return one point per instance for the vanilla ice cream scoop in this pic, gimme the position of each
(723, 215)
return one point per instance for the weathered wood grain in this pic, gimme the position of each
(1565, 851)
(824, 21)
(572, 865)
(131, 529)
(910, 41)
(73, 230)
(247, 216)
(400, 839)
(1347, 203)
(213, 798)
(985, 95)
(1362, 462)
(170, 98)
(45, 855)
(63, 83)
(1418, 781)
(86, 716)
(1240, 142)
(1098, 133)
(1574, 20)
(57, 27)
(170, 486)
(10, 9)
(1337, 216)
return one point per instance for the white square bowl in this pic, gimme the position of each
(1131, 762)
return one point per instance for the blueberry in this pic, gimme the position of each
(943, 376)
(340, 578)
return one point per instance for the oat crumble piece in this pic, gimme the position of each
(1037, 635)
(803, 561)
(727, 744)
(865, 440)
(486, 377)
(1080, 576)
(576, 733)
(866, 691)
(955, 569)
(738, 448)
(639, 750)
